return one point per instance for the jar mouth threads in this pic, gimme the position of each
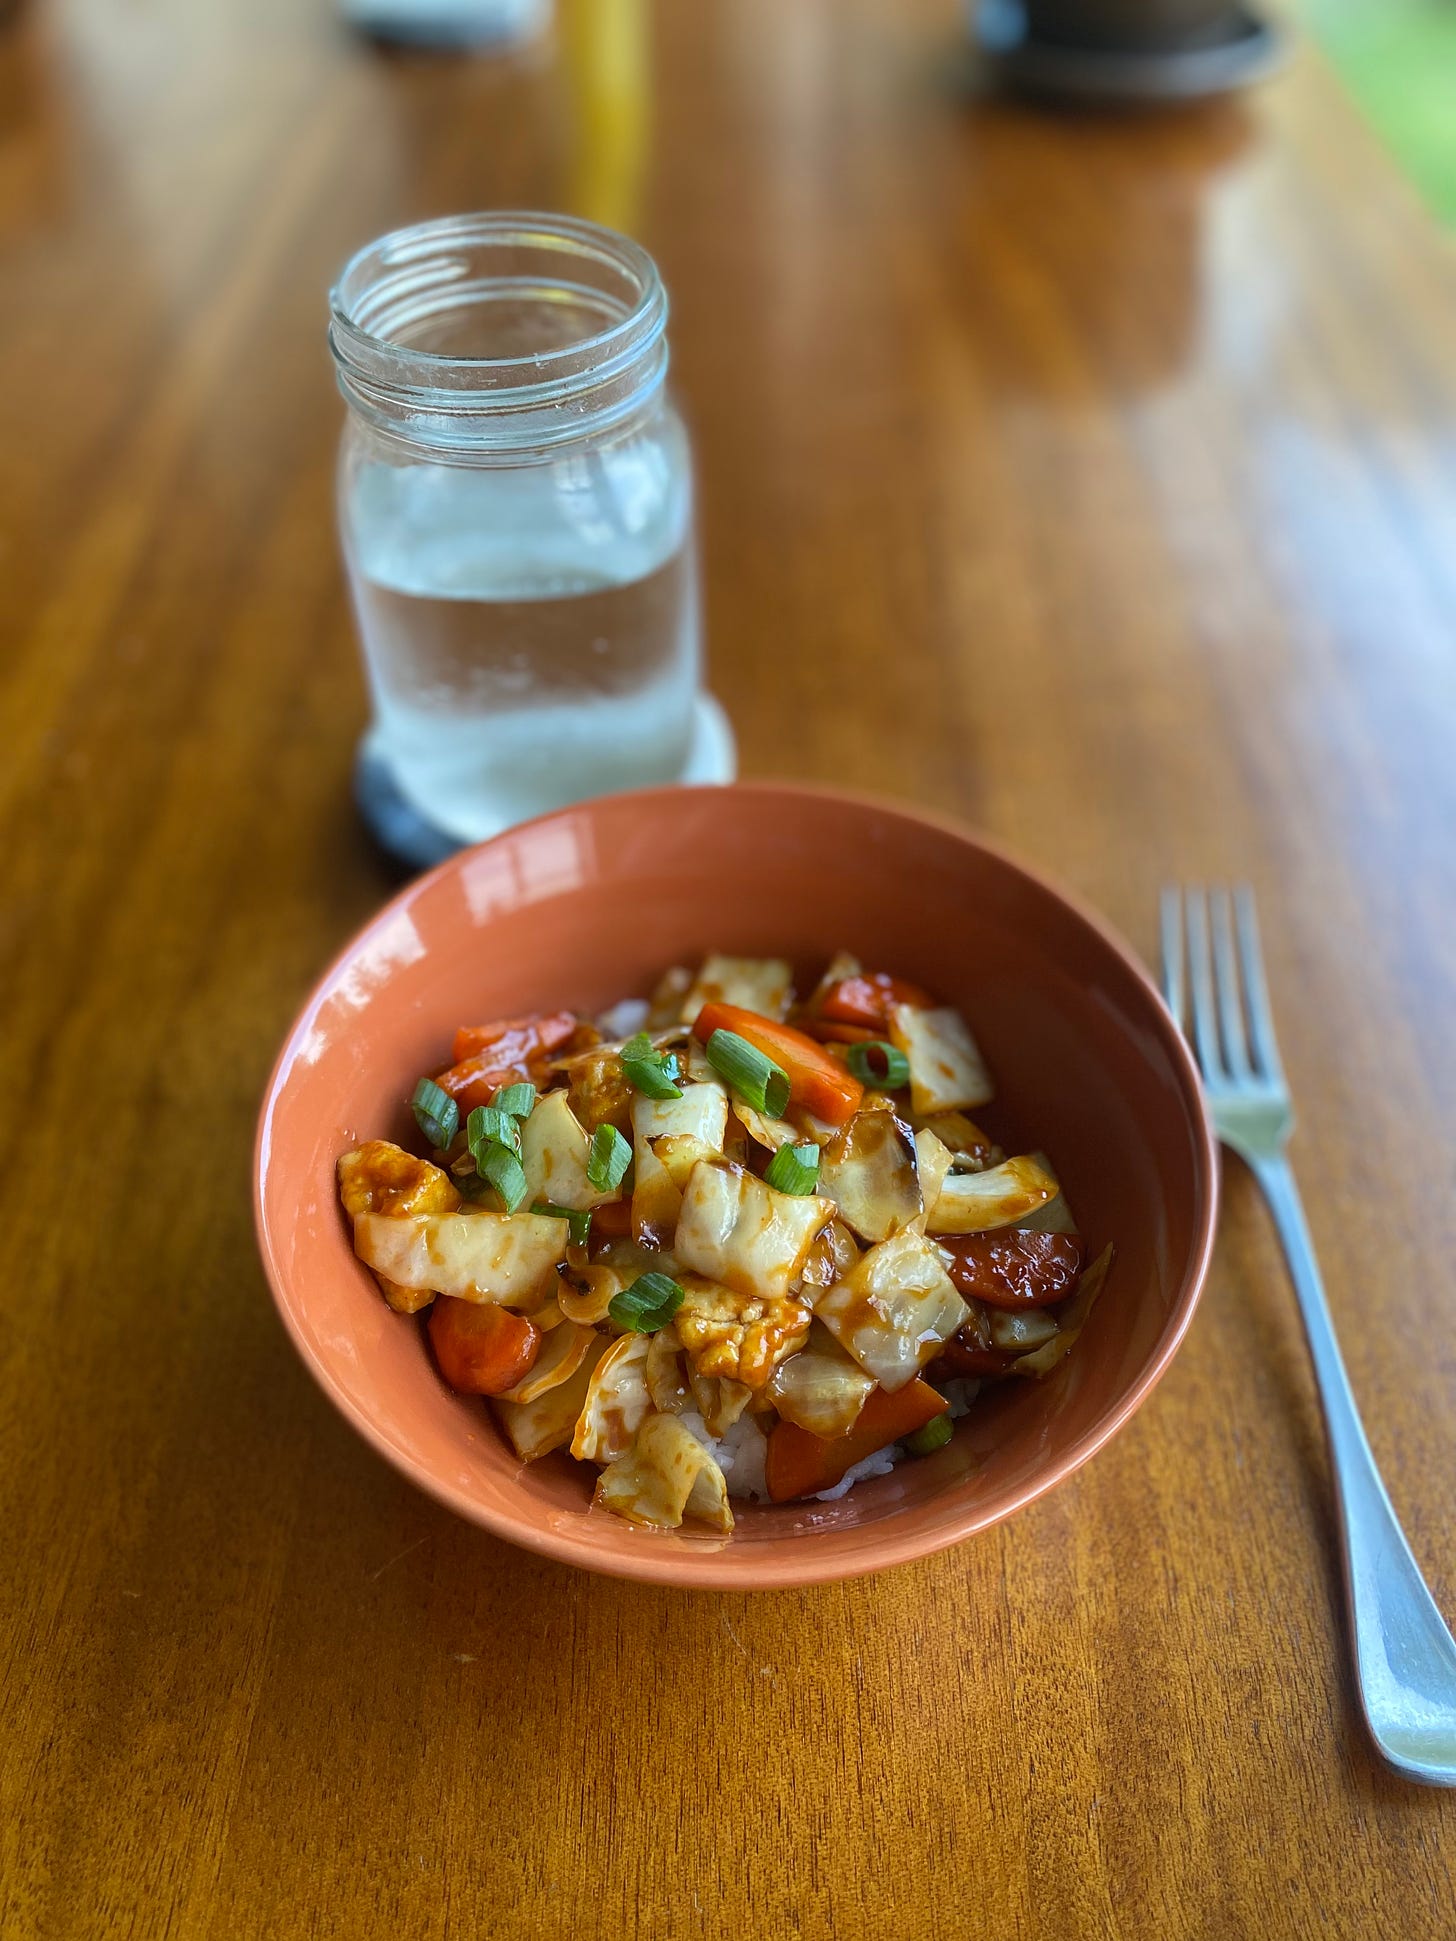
(498, 317)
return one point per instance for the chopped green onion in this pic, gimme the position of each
(517, 1100)
(578, 1224)
(608, 1160)
(647, 1305)
(436, 1113)
(864, 1061)
(506, 1174)
(488, 1126)
(755, 1078)
(473, 1187)
(794, 1169)
(647, 1072)
(935, 1435)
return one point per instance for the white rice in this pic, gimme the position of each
(879, 1464)
(741, 1454)
(960, 1393)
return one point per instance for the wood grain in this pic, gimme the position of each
(1094, 479)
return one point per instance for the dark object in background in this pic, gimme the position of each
(1129, 26)
(1125, 53)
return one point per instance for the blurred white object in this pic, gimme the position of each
(449, 23)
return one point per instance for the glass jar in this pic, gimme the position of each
(515, 503)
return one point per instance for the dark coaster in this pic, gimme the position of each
(1248, 49)
(409, 836)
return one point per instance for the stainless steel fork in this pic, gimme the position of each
(1405, 1658)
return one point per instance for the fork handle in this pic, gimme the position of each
(1405, 1658)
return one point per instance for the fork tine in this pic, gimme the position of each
(1171, 925)
(1256, 988)
(1200, 977)
(1226, 980)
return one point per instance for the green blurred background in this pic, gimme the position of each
(1398, 58)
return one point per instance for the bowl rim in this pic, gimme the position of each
(731, 1567)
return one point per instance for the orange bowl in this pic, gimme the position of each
(588, 906)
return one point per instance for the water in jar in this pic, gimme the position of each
(531, 631)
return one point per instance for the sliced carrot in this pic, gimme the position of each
(959, 1360)
(1012, 1269)
(867, 1000)
(801, 1464)
(481, 1349)
(817, 1081)
(488, 1056)
(548, 1034)
(829, 1033)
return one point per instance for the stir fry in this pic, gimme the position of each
(723, 1243)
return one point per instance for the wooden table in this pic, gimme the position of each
(1094, 479)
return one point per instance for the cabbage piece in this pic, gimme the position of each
(762, 984)
(666, 1475)
(624, 1019)
(656, 1203)
(695, 1066)
(1071, 1319)
(1022, 1328)
(972, 1150)
(841, 965)
(869, 1173)
(895, 1309)
(1006, 1196)
(1056, 1216)
(834, 1252)
(947, 1070)
(554, 1148)
(665, 1006)
(932, 1163)
(738, 1337)
(616, 1401)
(770, 1133)
(383, 1178)
(736, 1230)
(563, 1350)
(808, 1127)
(701, 1113)
(510, 1259)
(679, 1152)
(821, 1388)
(665, 1372)
(719, 1402)
(536, 1428)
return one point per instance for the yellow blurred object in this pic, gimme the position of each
(606, 60)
